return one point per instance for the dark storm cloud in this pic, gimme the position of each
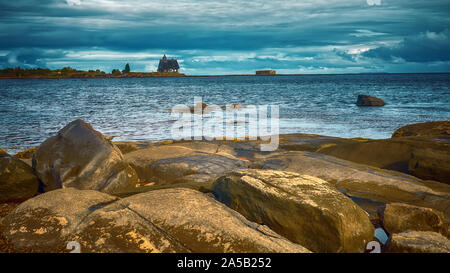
(293, 36)
(425, 47)
(29, 57)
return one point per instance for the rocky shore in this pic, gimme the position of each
(314, 194)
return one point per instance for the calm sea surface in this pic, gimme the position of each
(136, 109)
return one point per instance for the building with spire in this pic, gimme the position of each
(168, 65)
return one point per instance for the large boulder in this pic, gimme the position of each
(17, 180)
(194, 165)
(372, 186)
(251, 149)
(434, 129)
(384, 153)
(116, 228)
(397, 218)
(431, 164)
(364, 100)
(27, 154)
(422, 157)
(142, 159)
(418, 242)
(173, 220)
(47, 222)
(83, 158)
(204, 225)
(202, 168)
(305, 209)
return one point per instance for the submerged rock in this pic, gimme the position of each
(83, 158)
(17, 180)
(397, 218)
(432, 129)
(418, 242)
(172, 220)
(364, 100)
(305, 209)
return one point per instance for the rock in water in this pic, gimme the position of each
(425, 129)
(17, 180)
(397, 218)
(171, 220)
(305, 209)
(364, 100)
(81, 157)
(418, 242)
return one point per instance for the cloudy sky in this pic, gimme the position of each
(228, 36)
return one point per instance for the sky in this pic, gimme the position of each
(228, 36)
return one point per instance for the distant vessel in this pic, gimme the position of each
(266, 72)
(168, 65)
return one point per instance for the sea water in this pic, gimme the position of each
(137, 108)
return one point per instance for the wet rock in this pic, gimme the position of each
(175, 220)
(364, 100)
(434, 129)
(361, 181)
(17, 180)
(81, 157)
(397, 218)
(297, 207)
(418, 242)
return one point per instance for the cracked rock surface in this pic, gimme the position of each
(169, 220)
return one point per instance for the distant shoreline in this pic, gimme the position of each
(180, 75)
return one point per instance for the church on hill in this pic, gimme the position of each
(168, 65)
